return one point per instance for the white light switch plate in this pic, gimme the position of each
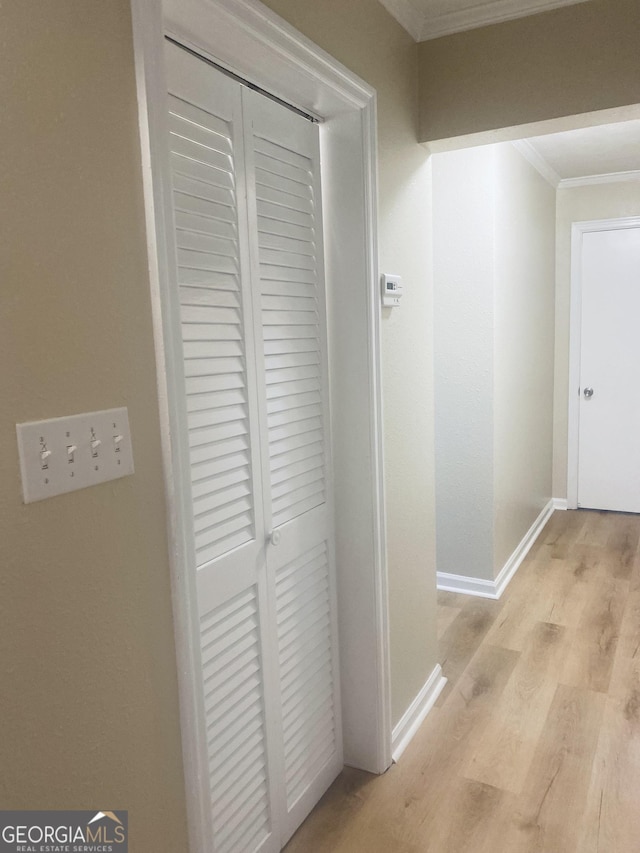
(64, 454)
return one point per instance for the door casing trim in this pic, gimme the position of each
(250, 40)
(578, 229)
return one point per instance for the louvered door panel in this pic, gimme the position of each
(213, 328)
(234, 704)
(284, 192)
(303, 598)
(291, 322)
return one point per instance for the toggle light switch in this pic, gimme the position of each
(95, 444)
(65, 454)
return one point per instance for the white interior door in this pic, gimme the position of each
(246, 204)
(609, 431)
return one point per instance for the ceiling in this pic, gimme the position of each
(429, 19)
(588, 155)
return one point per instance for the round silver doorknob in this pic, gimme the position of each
(275, 537)
(588, 392)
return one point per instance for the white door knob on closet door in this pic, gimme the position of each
(274, 537)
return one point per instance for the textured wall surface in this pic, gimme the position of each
(568, 61)
(580, 204)
(523, 349)
(88, 699)
(464, 275)
(494, 236)
(365, 38)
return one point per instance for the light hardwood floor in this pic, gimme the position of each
(535, 743)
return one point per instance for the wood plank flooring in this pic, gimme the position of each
(534, 745)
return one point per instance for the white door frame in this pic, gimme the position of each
(578, 229)
(250, 40)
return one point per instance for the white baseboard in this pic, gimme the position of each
(467, 585)
(515, 560)
(494, 589)
(560, 503)
(413, 717)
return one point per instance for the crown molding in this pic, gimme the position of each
(408, 15)
(484, 14)
(538, 162)
(424, 25)
(590, 180)
(530, 153)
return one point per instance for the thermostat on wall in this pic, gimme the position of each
(392, 290)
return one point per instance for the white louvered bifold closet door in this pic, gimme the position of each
(246, 208)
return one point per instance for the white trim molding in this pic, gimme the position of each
(226, 30)
(578, 229)
(424, 22)
(465, 584)
(560, 504)
(417, 711)
(494, 588)
(541, 165)
(590, 180)
(408, 14)
(533, 156)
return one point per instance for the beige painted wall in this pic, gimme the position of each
(564, 62)
(365, 38)
(580, 204)
(88, 701)
(523, 350)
